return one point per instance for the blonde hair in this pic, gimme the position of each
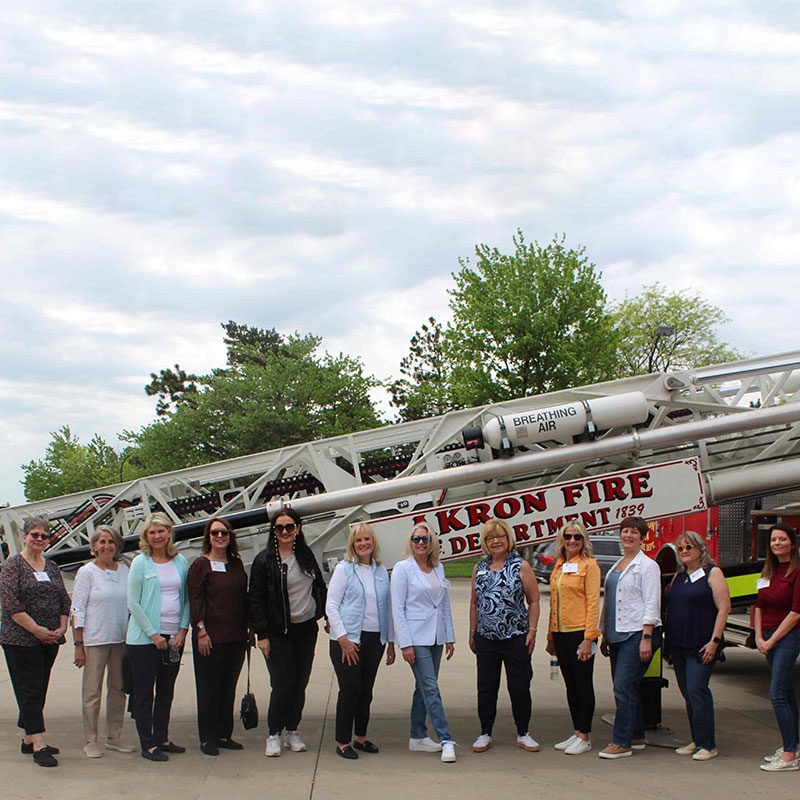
(573, 524)
(492, 525)
(358, 530)
(433, 544)
(162, 520)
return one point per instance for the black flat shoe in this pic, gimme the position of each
(44, 758)
(366, 746)
(229, 744)
(171, 747)
(27, 749)
(346, 752)
(209, 748)
(155, 755)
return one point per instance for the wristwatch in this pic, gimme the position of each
(716, 640)
(647, 636)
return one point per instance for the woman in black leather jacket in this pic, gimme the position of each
(286, 596)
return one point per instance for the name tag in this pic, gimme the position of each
(42, 577)
(762, 583)
(696, 575)
(480, 572)
(112, 576)
(567, 567)
(218, 566)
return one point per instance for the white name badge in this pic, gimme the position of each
(42, 577)
(697, 574)
(762, 583)
(112, 576)
(480, 572)
(569, 567)
(218, 566)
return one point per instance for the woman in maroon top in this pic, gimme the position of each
(778, 637)
(35, 617)
(218, 602)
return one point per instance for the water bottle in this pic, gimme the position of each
(554, 669)
(174, 655)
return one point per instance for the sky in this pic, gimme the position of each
(322, 166)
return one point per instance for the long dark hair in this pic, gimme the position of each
(771, 564)
(302, 552)
(233, 547)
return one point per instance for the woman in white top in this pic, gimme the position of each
(358, 613)
(99, 622)
(423, 628)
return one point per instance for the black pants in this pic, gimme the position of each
(289, 664)
(29, 669)
(152, 671)
(491, 655)
(355, 685)
(215, 678)
(578, 679)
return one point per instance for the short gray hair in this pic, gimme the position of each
(35, 522)
(101, 529)
(697, 540)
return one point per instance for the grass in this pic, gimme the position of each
(461, 568)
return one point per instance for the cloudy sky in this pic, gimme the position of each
(321, 166)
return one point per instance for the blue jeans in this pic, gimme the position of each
(627, 671)
(781, 660)
(427, 699)
(693, 677)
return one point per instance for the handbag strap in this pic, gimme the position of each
(248, 668)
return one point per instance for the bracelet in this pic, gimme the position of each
(78, 644)
(202, 632)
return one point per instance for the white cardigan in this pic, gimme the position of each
(638, 595)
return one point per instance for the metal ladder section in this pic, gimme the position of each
(368, 458)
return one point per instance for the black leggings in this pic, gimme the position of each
(578, 678)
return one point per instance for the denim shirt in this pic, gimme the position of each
(354, 601)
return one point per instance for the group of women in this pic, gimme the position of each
(141, 617)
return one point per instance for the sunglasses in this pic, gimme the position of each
(43, 536)
(497, 538)
(290, 528)
(681, 547)
(568, 537)
(417, 539)
(219, 533)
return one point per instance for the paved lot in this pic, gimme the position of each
(745, 725)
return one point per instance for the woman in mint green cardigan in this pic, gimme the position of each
(159, 606)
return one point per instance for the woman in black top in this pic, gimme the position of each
(217, 585)
(287, 596)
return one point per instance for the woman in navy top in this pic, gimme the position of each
(778, 637)
(697, 605)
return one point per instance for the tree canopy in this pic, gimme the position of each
(661, 331)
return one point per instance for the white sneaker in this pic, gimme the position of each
(482, 743)
(424, 745)
(527, 742)
(293, 741)
(778, 754)
(273, 748)
(449, 751)
(566, 743)
(689, 749)
(779, 765)
(579, 746)
(705, 755)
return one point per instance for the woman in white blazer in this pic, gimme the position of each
(423, 628)
(631, 633)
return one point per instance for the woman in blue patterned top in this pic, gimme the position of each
(503, 615)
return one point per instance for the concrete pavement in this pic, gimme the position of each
(746, 730)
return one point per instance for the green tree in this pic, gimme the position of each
(69, 466)
(176, 385)
(660, 331)
(527, 323)
(275, 391)
(424, 389)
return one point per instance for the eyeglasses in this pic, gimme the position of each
(219, 533)
(417, 539)
(568, 537)
(43, 536)
(499, 537)
(290, 528)
(681, 547)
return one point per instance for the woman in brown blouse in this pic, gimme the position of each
(218, 603)
(34, 621)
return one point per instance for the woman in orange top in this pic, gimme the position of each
(572, 632)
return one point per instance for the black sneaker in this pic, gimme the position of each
(229, 744)
(170, 747)
(27, 749)
(209, 748)
(44, 758)
(155, 755)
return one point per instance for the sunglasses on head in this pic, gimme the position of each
(290, 528)
(417, 539)
(568, 537)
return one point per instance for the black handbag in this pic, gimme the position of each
(249, 710)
